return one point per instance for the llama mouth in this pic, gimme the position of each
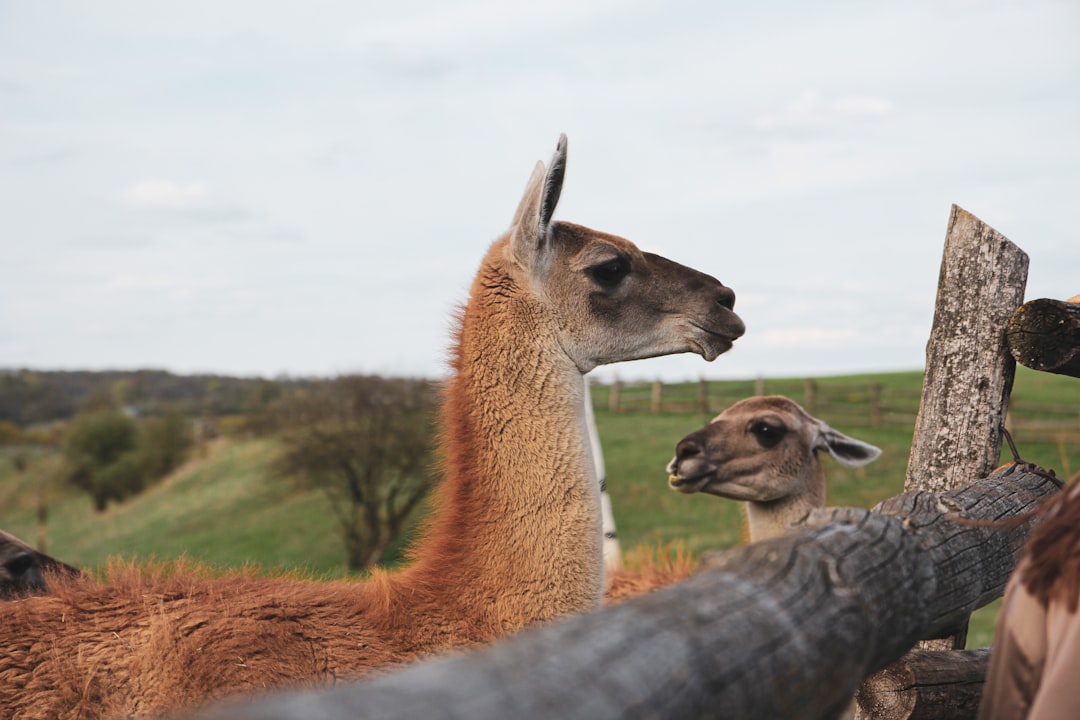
(689, 485)
(711, 344)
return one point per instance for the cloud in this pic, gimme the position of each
(478, 32)
(863, 106)
(810, 111)
(313, 159)
(191, 201)
(45, 157)
(165, 195)
(14, 88)
(806, 337)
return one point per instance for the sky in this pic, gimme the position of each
(284, 188)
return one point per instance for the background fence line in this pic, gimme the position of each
(856, 405)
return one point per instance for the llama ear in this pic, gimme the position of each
(845, 449)
(529, 231)
(553, 183)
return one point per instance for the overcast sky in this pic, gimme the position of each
(265, 188)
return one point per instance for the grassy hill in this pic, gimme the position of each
(225, 507)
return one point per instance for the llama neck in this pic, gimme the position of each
(775, 518)
(516, 535)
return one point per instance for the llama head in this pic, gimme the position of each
(761, 450)
(609, 300)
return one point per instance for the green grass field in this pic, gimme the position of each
(637, 447)
(227, 509)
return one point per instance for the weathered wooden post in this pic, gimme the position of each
(969, 371)
(656, 398)
(810, 395)
(43, 513)
(759, 385)
(876, 412)
(613, 396)
(969, 375)
(703, 397)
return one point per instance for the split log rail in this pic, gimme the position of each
(1045, 335)
(785, 628)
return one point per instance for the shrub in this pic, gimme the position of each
(164, 443)
(96, 441)
(111, 457)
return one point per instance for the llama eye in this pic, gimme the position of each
(610, 273)
(767, 434)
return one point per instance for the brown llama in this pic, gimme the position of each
(514, 538)
(761, 450)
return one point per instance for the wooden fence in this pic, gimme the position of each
(785, 628)
(842, 405)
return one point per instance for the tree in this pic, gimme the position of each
(96, 442)
(366, 443)
(112, 457)
(164, 442)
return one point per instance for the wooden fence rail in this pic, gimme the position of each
(870, 405)
(1044, 334)
(926, 685)
(706, 397)
(784, 628)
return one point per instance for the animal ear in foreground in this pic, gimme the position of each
(24, 570)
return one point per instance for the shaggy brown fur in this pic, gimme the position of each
(648, 570)
(515, 534)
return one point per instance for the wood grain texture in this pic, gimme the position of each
(785, 628)
(1044, 335)
(969, 371)
(927, 685)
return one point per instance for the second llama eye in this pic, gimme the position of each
(766, 433)
(610, 273)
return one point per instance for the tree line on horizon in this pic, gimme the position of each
(364, 442)
(32, 397)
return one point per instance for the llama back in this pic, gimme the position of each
(135, 646)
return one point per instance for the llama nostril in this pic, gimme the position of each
(726, 297)
(687, 448)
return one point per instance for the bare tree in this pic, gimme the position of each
(366, 443)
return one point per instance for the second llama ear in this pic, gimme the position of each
(529, 230)
(845, 449)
